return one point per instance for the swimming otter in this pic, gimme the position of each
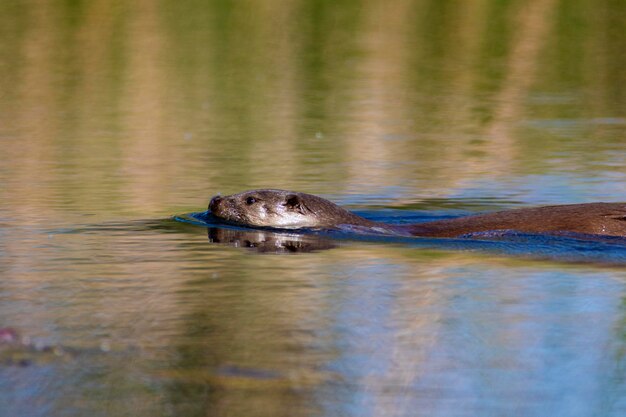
(290, 210)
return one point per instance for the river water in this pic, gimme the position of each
(118, 120)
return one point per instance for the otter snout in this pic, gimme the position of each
(215, 203)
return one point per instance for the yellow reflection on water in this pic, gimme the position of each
(158, 105)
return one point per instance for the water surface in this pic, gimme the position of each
(115, 117)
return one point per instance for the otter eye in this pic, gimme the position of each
(250, 201)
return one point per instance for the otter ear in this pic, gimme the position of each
(292, 202)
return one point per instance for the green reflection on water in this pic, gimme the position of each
(140, 101)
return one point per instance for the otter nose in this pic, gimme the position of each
(215, 201)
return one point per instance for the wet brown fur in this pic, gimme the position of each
(591, 218)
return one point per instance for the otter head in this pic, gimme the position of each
(279, 209)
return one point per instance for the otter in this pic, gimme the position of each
(292, 210)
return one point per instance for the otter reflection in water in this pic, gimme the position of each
(292, 210)
(268, 241)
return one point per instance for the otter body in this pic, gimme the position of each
(290, 210)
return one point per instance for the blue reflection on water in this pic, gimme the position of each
(570, 247)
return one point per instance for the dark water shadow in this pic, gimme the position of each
(562, 247)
